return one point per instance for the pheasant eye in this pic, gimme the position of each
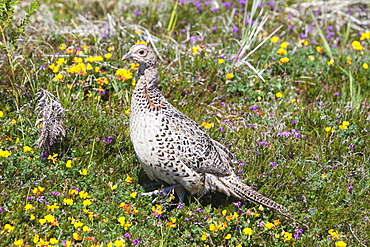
(142, 52)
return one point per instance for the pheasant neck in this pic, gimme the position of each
(147, 77)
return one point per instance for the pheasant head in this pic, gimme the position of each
(143, 55)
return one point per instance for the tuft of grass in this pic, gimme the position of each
(301, 137)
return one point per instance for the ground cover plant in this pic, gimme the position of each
(284, 84)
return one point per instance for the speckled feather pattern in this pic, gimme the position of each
(173, 148)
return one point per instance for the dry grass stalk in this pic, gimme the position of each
(50, 120)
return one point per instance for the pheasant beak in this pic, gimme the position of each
(128, 55)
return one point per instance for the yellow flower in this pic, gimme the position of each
(221, 61)
(49, 218)
(68, 243)
(83, 172)
(76, 236)
(9, 227)
(195, 50)
(134, 66)
(111, 48)
(329, 129)
(207, 125)
(83, 194)
(340, 244)
(305, 42)
(36, 238)
(228, 236)
(68, 201)
(312, 58)
(27, 148)
(32, 217)
(98, 58)
(279, 95)
(141, 42)
(128, 179)
(349, 60)
(365, 66)
(356, 45)
(87, 202)
(274, 39)
(1, 113)
(69, 164)
(330, 62)
(229, 76)
(54, 241)
(269, 225)
(133, 194)
(52, 207)
(319, 49)
(204, 236)
(28, 207)
(124, 74)
(5, 153)
(248, 231)
(38, 190)
(108, 55)
(284, 45)
(118, 243)
(127, 111)
(284, 60)
(42, 221)
(77, 224)
(287, 236)
(86, 48)
(18, 242)
(281, 52)
(62, 47)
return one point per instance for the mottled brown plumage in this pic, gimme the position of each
(173, 148)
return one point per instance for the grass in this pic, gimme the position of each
(301, 136)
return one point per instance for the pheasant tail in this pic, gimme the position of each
(231, 185)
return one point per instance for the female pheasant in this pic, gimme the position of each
(173, 148)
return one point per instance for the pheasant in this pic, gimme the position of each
(175, 149)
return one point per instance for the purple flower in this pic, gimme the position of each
(44, 155)
(352, 145)
(179, 206)
(336, 94)
(108, 140)
(199, 5)
(193, 38)
(303, 36)
(226, 121)
(238, 204)
(41, 199)
(350, 187)
(285, 133)
(55, 193)
(273, 164)
(182, 2)
(261, 224)
(242, 2)
(235, 29)
(253, 108)
(127, 235)
(207, 3)
(263, 144)
(105, 35)
(222, 129)
(240, 171)
(136, 241)
(137, 12)
(299, 231)
(43, 66)
(200, 210)
(272, 4)
(214, 9)
(183, 30)
(30, 198)
(330, 28)
(187, 219)
(214, 28)
(227, 4)
(294, 121)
